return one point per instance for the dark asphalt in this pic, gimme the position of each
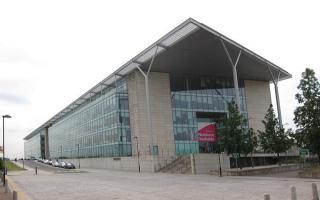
(44, 167)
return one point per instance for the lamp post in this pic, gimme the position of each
(138, 152)
(79, 154)
(220, 170)
(121, 153)
(61, 152)
(3, 158)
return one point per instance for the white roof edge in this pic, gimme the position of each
(190, 20)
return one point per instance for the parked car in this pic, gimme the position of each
(69, 166)
(55, 163)
(46, 161)
(62, 164)
(50, 162)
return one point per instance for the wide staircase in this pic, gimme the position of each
(181, 165)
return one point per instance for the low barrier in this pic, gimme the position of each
(259, 170)
(315, 195)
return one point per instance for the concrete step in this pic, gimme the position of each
(181, 165)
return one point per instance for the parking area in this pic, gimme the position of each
(105, 184)
(32, 164)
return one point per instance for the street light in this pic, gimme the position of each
(79, 154)
(121, 152)
(3, 158)
(220, 170)
(61, 152)
(138, 152)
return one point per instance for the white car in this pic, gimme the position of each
(62, 164)
(55, 163)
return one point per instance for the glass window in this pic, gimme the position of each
(94, 126)
(204, 94)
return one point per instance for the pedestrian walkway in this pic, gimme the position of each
(4, 195)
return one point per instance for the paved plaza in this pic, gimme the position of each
(3, 194)
(105, 184)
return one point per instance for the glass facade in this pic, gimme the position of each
(32, 147)
(198, 99)
(100, 128)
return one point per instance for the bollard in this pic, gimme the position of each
(36, 170)
(15, 195)
(315, 195)
(293, 193)
(266, 196)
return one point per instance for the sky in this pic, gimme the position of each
(51, 52)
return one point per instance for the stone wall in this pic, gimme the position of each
(258, 100)
(161, 113)
(207, 163)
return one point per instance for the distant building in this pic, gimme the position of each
(156, 102)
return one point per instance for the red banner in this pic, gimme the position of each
(207, 133)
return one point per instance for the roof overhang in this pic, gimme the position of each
(190, 48)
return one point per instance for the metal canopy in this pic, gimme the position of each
(191, 48)
(203, 53)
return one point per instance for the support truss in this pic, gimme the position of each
(275, 81)
(234, 72)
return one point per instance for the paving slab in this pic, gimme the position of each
(4, 195)
(106, 184)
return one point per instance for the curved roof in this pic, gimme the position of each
(188, 44)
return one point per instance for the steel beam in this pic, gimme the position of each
(275, 81)
(146, 81)
(137, 62)
(234, 73)
(162, 46)
(278, 104)
(121, 75)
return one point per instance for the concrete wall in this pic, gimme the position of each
(205, 163)
(124, 163)
(161, 113)
(258, 100)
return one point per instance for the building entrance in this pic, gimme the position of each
(209, 123)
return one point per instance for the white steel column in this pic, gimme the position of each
(234, 73)
(146, 81)
(276, 90)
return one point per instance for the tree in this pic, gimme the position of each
(250, 144)
(232, 138)
(274, 139)
(308, 112)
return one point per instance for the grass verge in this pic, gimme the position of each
(12, 166)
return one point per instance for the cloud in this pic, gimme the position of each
(13, 55)
(15, 99)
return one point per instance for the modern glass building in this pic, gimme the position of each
(100, 128)
(34, 147)
(153, 106)
(200, 99)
